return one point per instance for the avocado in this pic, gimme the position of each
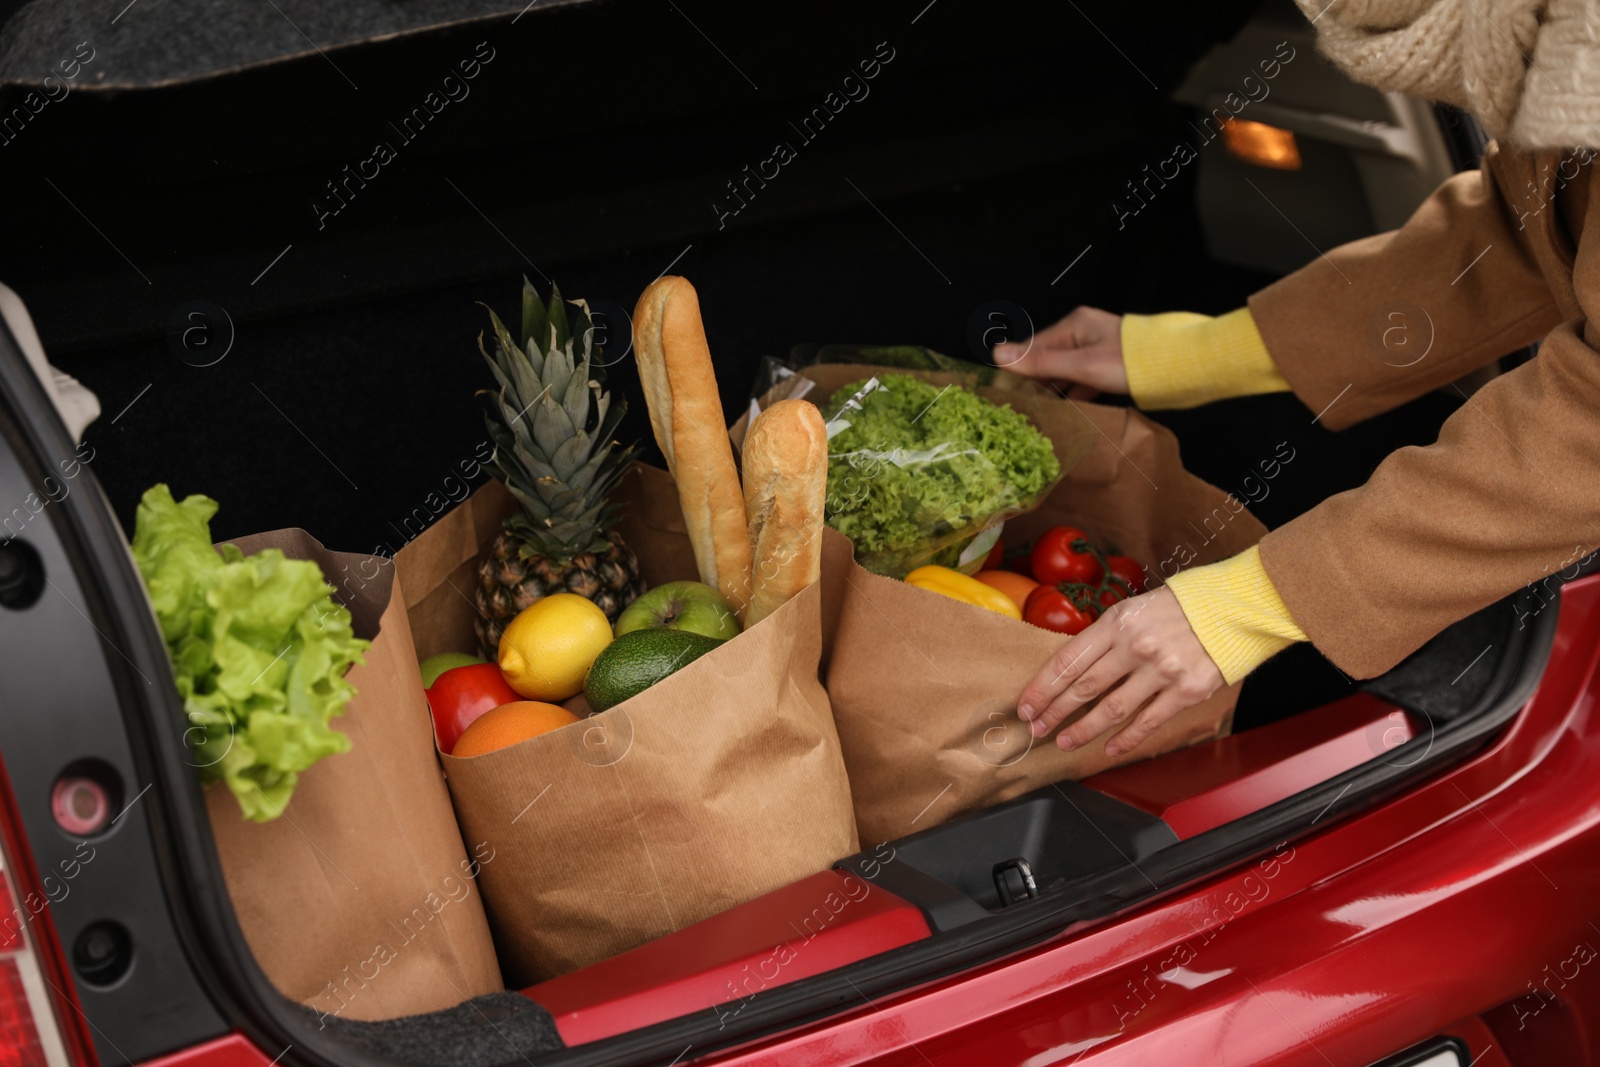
(637, 660)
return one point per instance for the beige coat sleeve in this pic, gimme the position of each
(1375, 323)
(1510, 492)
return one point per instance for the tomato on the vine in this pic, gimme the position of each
(1127, 568)
(1049, 608)
(1078, 582)
(1065, 554)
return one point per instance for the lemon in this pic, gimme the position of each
(547, 649)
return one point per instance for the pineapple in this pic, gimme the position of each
(551, 424)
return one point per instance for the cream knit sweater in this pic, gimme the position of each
(1528, 69)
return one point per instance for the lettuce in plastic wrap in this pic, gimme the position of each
(915, 470)
(259, 650)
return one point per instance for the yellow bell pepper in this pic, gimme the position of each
(958, 586)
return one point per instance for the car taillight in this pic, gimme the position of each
(41, 1024)
(29, 1034)
(20, 1045)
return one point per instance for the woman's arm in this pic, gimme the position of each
(1438, 533)
(1509, 494)
(1383, 320)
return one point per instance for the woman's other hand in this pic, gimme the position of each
(1081, 354)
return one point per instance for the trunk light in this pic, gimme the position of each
(1261, 145)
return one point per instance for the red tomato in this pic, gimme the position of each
(1109, 595)
(996, 557)
(1064, 554)
(461, 694)
(1127, 568)
(1050, 609)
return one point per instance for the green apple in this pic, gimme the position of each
(434, 666)
(691, 606)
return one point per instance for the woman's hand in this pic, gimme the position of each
(1083, 350)
(1141, 653)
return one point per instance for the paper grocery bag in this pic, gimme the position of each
(722, 782)
(924, 688)
(361, 899)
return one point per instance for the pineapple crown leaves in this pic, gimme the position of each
(553, 426)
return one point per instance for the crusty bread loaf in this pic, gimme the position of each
(785, 486)
(680, 389)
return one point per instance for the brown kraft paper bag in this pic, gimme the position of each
(360, 900)
(924, 688)
(716, 785)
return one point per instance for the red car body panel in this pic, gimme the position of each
(234, 1050)
(1464, 906)
(1197, 789)
(815, 925)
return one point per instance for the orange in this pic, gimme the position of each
(508, 724)
(1016, 586)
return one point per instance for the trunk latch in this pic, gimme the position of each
(1013, 880)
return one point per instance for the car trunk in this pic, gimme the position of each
(602, 145)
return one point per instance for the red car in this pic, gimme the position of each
(1397, 873)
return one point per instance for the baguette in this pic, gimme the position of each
(785, 486)
(680, 389)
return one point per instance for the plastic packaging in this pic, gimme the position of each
(920, 473)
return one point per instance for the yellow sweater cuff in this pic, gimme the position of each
(1236, 612)
(1182, 360)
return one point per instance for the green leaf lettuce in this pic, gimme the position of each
(915, 471)
(259, 651)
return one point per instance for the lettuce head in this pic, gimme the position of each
(915, 470)
(259, 649)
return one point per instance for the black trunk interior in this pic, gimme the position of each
(596, 149)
